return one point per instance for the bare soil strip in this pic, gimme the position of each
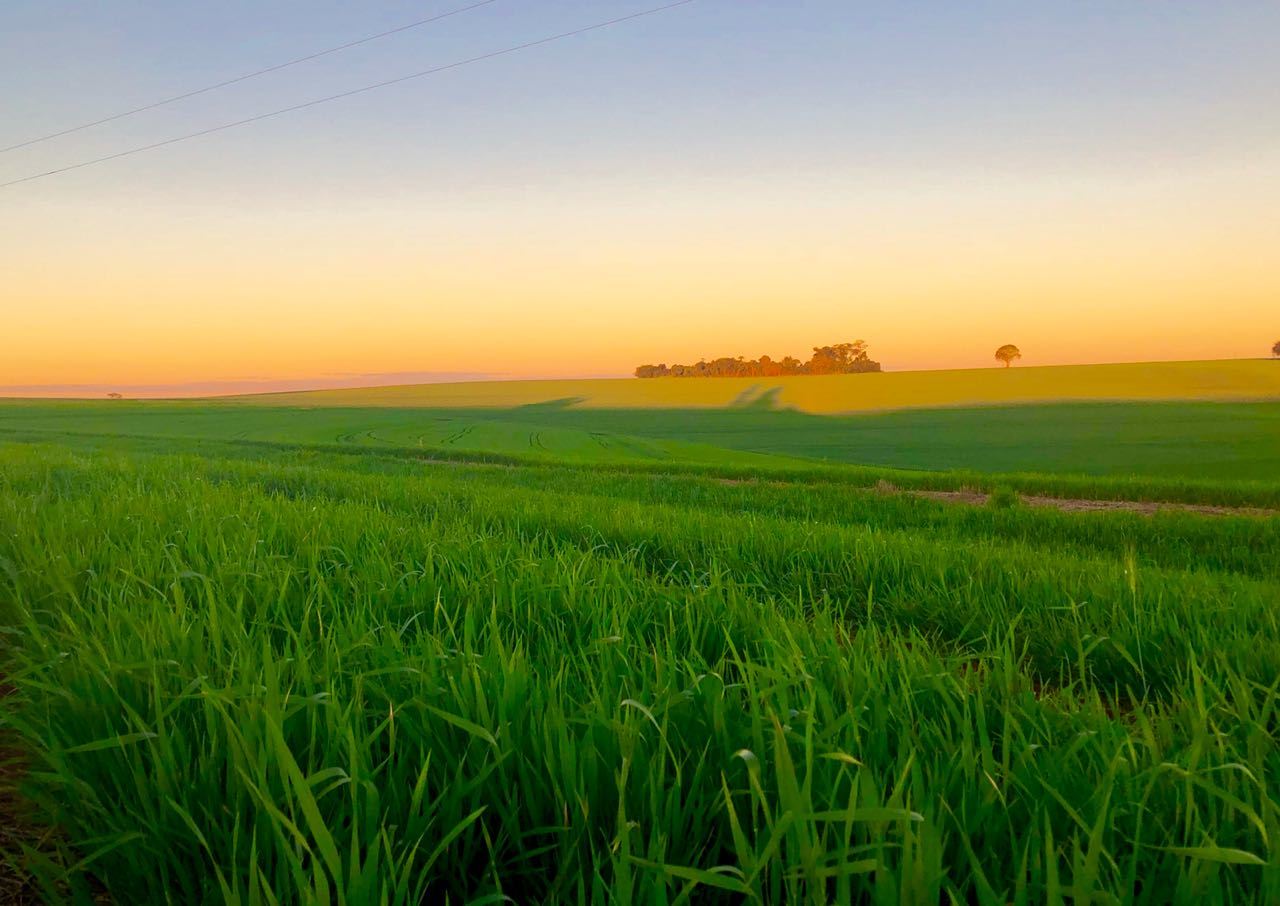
(1066, 504)
(1076, 505)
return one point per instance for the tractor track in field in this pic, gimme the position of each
(458, 435)
(1081, 505)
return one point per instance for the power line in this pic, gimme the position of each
(354, 91)
(251, 75)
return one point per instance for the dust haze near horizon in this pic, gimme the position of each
(1094, 182)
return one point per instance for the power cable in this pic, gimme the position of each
(346, 94)
(251, 75)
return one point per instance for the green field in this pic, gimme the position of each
(556, 653)
(1194, 440)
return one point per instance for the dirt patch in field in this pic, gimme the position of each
(19, 827)
(15, 886)
(1066, 504)
(1076, 505)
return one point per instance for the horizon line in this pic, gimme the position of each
(234, 388)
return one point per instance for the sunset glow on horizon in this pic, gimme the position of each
(1095, 183)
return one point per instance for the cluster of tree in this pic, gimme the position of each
(842, 358)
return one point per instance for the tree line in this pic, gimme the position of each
(840, 358)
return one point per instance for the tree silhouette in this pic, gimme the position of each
(1007, 353)
(1275, 350)
(114, 396)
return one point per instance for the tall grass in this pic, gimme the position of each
(253, 681)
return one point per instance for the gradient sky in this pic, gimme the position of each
(1094, 181)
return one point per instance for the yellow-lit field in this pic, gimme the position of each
(1237, 379)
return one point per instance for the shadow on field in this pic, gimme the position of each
(567, 402)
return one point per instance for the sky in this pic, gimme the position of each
(1091, 180)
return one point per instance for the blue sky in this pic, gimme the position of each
(1070, 85)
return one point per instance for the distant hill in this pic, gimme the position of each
(1232, 379)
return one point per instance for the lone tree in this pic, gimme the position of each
(1007, 353)
(1275, 350)
(114, 396)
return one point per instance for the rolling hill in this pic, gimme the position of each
(1232, 379)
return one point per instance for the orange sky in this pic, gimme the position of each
(546, 285)
(230, 261)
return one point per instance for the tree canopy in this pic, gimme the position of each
(1007, 353)
(840, 358)
(1275, 350)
